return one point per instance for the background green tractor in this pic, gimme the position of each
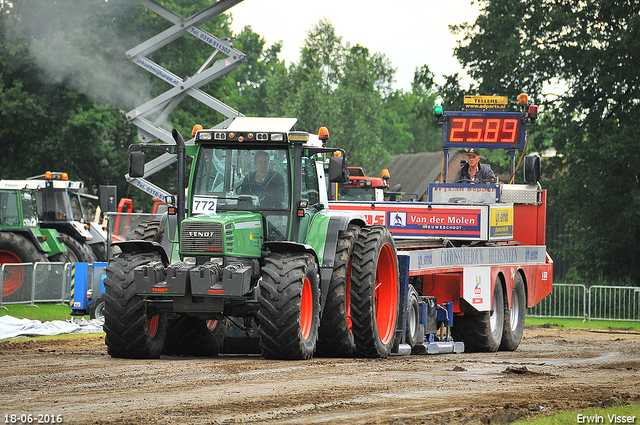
(21, 240)
(59, 208)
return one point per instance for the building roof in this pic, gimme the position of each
(414, 171)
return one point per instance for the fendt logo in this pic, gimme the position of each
(202, 234)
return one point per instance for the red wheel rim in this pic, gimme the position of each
(152, 324)
(347, 296)
(386, 294)
(306, 309)
(211, 324)
(15, 274)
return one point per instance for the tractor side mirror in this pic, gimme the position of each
(338, 172)
(136, 164)
(532, 168)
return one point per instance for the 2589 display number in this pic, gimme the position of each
(484, 130)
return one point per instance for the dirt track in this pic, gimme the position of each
(553, 370)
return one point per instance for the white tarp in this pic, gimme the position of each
(11, 327)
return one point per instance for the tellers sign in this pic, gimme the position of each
(484, 129)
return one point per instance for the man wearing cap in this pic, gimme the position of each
(473, 171)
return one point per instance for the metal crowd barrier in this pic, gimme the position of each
(34, 283)
(52, 282)
(576, 301)
(614, 303)
(566, 301)
(31, 283)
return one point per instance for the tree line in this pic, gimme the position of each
(66, 86)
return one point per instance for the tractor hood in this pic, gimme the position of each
(231, 233)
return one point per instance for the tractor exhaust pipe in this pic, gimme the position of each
(182, 166)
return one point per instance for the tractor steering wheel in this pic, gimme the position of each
(249, 188)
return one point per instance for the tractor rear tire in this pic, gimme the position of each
(131, 330)
(99, 251)
(482, 332)
(63, 257)
(289, 306)
(193, 336)
(514, 316)
(335, 338)
(374, 292)
(15, 248)
(78, 251)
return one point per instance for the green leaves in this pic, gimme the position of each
(592, 48)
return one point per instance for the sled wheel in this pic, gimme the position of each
(414, 330)
(514, 316)
(482, 331)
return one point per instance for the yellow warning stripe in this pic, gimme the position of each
(73, 284)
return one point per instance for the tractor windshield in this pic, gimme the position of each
(29, 209)
(76, 206)
(54, 208)
(9, 214)
(356, 193)
(241, 179)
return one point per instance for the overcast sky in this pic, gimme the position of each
(410, 33)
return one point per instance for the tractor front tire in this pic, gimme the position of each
(131, 330)
(289, 306)
(335, 338)
(374, 292)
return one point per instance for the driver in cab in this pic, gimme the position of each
(264, 183)
(473, 171)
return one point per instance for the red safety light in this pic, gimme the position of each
(196, 128)
(533, 112)
(47, 175)
(65, 177)
(323, 133)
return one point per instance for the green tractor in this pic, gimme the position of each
(253, 244)
(59, 208)
(21, 238)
